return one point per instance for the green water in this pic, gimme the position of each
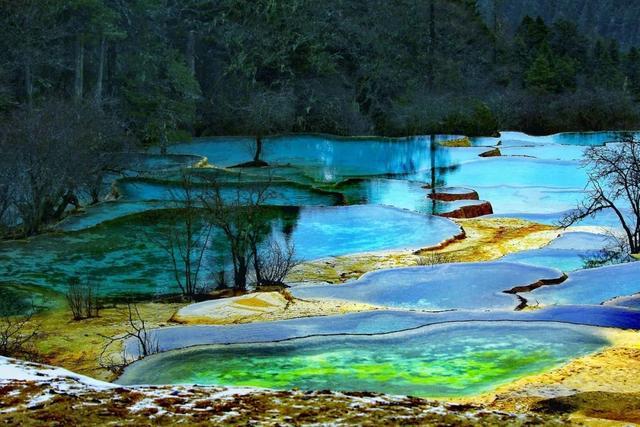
(446, 360)
(125, 256)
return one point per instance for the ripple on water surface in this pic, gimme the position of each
(442, 360)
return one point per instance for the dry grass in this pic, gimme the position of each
(76, 345)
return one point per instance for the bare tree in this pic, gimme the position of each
(83, 299)
(38, 141)
(265, 112)
(187, 236)
(614, 184)
(273, 261)
(57, 150)
(137, 330)
(18, 330)
(238, 213)
(102, 142)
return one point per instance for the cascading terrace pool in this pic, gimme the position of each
(454, 331)
(440, 360)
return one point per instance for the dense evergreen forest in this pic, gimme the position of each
(616, 19)
(166, 68)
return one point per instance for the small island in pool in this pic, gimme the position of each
(289, 213)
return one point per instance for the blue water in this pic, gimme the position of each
(125, 256)
(438, 287)
(333, 231)
(380, 322)
(593, 286)
(280, 193)
(568, 252)
(568, 138)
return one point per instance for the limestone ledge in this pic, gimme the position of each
(484, 239)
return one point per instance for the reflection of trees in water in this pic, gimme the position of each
(441, 165)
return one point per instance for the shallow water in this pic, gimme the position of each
(279, 193)
(328, 158)
(593, 286)
(333, 231)
(569, 252)
(438, 287)
(566, 138)
(381, 322)
(125, 256)
(442, 360)
(309, 172)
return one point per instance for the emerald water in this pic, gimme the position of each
(443, 360)
(124, 256)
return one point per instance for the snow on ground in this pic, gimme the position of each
(13, 369)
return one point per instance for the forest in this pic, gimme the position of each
(90, 78)
(616, 19)
(167, 68)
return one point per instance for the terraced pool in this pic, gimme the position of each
(440, 360)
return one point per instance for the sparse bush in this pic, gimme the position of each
(18, 331)
(83, 299)
(138, 331)
(433, 258)
(617, 252)
(273, 262)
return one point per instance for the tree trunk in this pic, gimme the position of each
(191, 52)
(28, 83)
(68, 199)
(78, 85)
(432, 153)
(256, 262)
(112, 58)
(431, 46)
(164, 142)
(256, 157)
(240, 278)
(100, 73)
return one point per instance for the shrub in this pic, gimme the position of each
(83, 299)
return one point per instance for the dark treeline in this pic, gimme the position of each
(337, 66)
(616, 19)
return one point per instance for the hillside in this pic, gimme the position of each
(617, 19)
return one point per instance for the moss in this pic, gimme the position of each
(457, 143)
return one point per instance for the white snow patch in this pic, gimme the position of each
(60, 379)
